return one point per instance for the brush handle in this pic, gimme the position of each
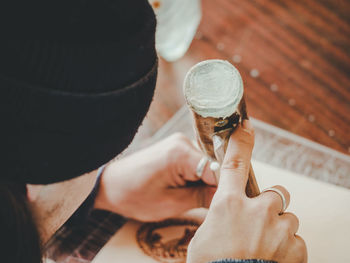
(206, 128)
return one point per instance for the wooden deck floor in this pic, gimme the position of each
(294, 57)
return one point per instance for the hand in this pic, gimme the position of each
(150, 185)
(238, 227)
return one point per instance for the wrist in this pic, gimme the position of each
(107, 195)
(101, 200)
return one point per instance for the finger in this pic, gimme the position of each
(291, 222)
(235, 167)
(194, 197)
(300, 249)
(274, 200)
(189, 165)
(208, 175)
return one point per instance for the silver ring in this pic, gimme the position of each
(201, 165)
(279, 192)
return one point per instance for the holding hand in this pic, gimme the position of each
(238, 227)
(150, 185)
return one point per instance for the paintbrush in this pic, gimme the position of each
(213, 91)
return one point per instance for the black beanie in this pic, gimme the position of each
(76, 80)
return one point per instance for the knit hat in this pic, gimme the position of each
(76, 80)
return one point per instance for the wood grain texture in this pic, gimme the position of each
(299, 52)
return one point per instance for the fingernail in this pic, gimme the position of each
(247, 125)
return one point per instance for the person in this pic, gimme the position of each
(77, 79)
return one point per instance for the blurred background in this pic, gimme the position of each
(294, 58)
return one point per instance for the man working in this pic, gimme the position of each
(77, 79)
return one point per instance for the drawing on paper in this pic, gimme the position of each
(167, 241)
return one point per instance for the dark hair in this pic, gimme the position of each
(19, 237)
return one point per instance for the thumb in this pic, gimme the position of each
(235, 167)
(194, 197)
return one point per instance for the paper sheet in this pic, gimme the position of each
(323, 210)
